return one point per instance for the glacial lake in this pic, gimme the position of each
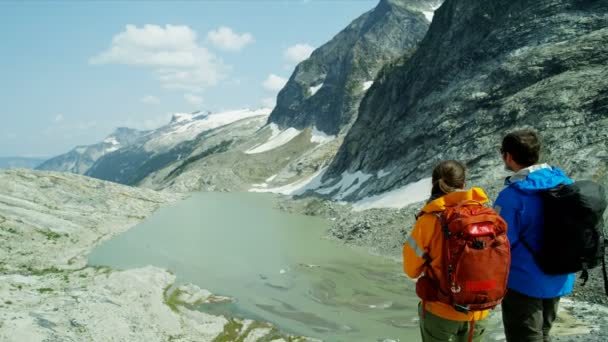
(277, 266)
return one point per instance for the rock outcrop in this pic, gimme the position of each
(484, 68)
(325, 90)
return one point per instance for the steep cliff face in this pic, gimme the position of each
(326, 89)
(484, 68)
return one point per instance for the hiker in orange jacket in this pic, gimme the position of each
(440, 321)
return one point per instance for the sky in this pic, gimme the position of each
(73, 71)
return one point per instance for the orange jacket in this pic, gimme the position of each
(427, 238)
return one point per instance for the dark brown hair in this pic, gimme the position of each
(523, 145)
(448, 176)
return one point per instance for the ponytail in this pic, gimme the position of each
(448, 176)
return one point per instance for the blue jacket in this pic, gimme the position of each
(521, 206)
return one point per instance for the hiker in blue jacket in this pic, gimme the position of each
(530, 306)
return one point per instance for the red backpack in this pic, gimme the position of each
(476, 259)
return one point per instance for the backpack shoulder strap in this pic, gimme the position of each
(444, 225)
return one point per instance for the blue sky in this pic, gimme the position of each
(73, 71)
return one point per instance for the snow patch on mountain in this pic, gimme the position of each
(382, 174)
(367, 85)
(430, 14)
(315, 89)
(398, 198)
(111, 140)
(296, 188)
(277, 139)
(320, 137)
(348, 184)
(182, 117)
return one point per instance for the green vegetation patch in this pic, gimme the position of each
(51, 235)
(172, 299)
(44, 271)
(232, 333)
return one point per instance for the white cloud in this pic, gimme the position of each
(274, 82)
(269, 102)
(171, 51)
(149, 99)
(298, 52)
(225, 39)
(193, 99)
(59, 118)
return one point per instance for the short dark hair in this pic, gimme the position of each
(523, 145)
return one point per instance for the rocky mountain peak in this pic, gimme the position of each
(325, 90)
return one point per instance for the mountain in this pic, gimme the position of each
(20, 162)
(313, 112)
(301, 136)
(172, 143)
(484, 68)
(325, 90)
(81, 158)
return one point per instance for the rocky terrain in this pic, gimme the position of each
(241, 166)
(49, 222)
(485, 68)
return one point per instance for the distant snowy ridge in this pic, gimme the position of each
(184, 127)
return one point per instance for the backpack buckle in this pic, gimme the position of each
(462, 308)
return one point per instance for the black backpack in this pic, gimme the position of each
(573, 238)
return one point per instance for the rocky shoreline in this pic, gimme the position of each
(49, 222)
(383, 231)
(49, 293)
